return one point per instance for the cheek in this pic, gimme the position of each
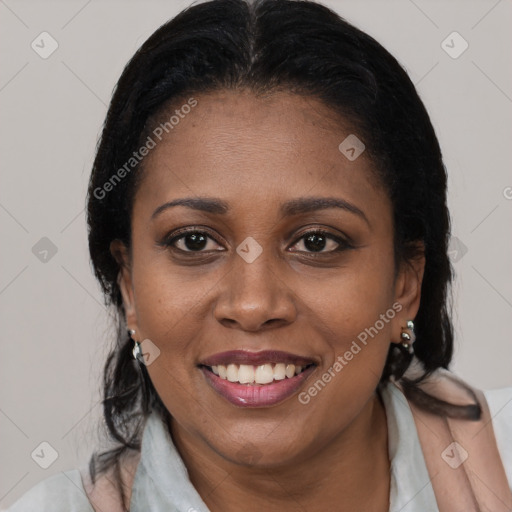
(167, 301)
(168, 308)
(354, 312)
(357, 325)
(354, 302)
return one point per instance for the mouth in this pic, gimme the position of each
(256, 379)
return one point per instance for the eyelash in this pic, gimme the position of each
(171, 239)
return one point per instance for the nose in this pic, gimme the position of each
(254, 297)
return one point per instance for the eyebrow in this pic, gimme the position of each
(293, 207)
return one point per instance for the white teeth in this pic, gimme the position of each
(279, 371)
(232, 372)
(245, 374)
(222, 371)
(262, 374)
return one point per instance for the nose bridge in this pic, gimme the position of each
(254, 293)
(253, 277)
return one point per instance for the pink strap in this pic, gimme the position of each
(462, 457)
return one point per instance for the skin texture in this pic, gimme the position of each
(255, 153)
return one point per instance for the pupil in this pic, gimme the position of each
(315, 242)
(195, 241)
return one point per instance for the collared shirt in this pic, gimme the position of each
(161, 481)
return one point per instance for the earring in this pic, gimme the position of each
(408, 337)
(137, 349)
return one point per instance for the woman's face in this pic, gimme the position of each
(253, 283)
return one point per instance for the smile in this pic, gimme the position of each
(256, 379)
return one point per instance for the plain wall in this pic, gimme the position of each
(55, 330)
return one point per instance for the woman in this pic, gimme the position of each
(267, 214)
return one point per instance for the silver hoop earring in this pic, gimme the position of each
(408, 337)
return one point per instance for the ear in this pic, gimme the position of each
(408, 288)
(124, 279)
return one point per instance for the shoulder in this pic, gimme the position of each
(63, 492)
(500, 407)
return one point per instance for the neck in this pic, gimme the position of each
(351, 473)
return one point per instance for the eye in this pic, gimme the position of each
(320, 241)
(191, 240)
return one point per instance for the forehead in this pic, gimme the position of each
(239, 146)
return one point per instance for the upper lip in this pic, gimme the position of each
(256, 358)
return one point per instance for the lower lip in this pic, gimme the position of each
(257, 395)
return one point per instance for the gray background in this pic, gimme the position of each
(54, 328)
